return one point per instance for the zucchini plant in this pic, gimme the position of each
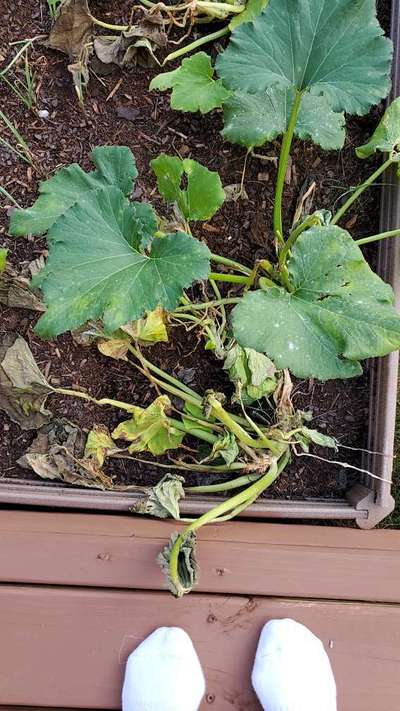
(317, 310)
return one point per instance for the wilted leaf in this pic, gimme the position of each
(97, 268)
(386, 137)
(148, 330)
(23, 389)
(72, 34)
(188, 568)
(306, 435)
(128, 47)
(115, 165)
(116, 348)
(252, 373)
(15, 291)
(150, 429)
(57, 452)
(225, 447)
(204, 194)
(98, 444)
(339, 312)
(163, 500)
(193, 86)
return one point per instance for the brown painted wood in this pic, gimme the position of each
(240, 557)
(67, 647)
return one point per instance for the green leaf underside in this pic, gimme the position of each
(115, 166)
(193, 86)
(96, 270)
(204, 194)
(252, 10)
(330, 47)
(386, 137)
(252, 119)
(339, 313)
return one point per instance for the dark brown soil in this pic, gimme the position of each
(241, 230)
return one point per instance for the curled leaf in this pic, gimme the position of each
(163, 500)
(116, 348)
(150, 329)
(15, 291)
(204, 194)
(23, 388)
(386, 137)
(57, 453)
(150, 430)
(225, 447)
(188, 568)
(133, 46)
(252, 373)
(98, 444)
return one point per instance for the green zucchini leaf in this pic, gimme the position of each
(252, 119)
(386, 137)
(96, 269)
(204, 194)
(252, 9)
(193, 85)
(330, 47)
(115, 166)
(252, 373)
(339, 313)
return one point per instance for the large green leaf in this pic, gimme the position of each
(330, 47)
(252, 119)
(386, 137)
(96, 268)
(340, 312)
(204, 194)
(193, 86)
(115, 165)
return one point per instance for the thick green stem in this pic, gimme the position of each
(196, 44)
(197, 432)
(230, 263)
(376, 238)
(283, 162)
(223, 416)
(308, 222)
(225, 485)
(232, 278)
(356, 194)
(223, 508)
(207, 304)
(107, 26)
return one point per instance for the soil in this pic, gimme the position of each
(240, 230)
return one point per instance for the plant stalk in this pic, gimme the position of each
(196, 44)
(363, 186)
(283, 162)
(230, 263)
(232, 278)
(376, 238)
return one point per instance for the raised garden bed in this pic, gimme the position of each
(147, 125)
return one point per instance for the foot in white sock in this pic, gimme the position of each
(292, 671)
(163, 674)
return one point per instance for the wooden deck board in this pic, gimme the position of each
(236, 558)
(67, 647)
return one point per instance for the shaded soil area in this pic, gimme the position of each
(240, 230)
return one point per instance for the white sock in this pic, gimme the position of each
(163, 674)
(292, 671)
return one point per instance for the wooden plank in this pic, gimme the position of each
(240, 557)
(68, 646)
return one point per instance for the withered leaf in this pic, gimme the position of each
(134, 46)
(15, 291)
(163, 500)
(99, 444)
(23, 388)
(188, 568)
(58, 453)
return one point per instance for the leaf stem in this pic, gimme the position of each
(363, 186)
(375, 238)
(196, 44)
(283, 162)
(225, 485)
(232, 278)
(308, 222)
(85, 396)
(208, 304)
(194, 431)
(230, 263)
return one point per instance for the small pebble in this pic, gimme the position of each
(43, 113)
